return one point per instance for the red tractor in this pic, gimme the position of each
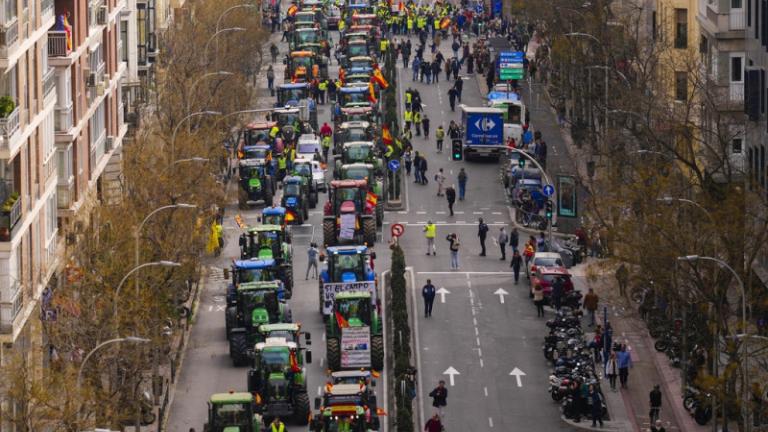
(349, 215)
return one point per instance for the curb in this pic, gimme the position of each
(513, 222)
(619, 426)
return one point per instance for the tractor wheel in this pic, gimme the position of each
(333, 352)
(313, 198)
(287, 313)
(369, 231)
(379, 214)
(230, 318)
(329, 232)
(267, 192)
(301, 409)
(305, 213)
(238, 346)
(377, 352)
(288, 275)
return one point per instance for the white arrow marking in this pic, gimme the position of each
(451, 372)
(517, 373)
(442, 291)
(501, 293)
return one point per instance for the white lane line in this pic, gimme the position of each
(402, 212)
(465, 272)
(441, 223)
(421, 223)
(418, 341)
(479, 213)
(496, 213)
(322, 360)
(458, 212)
(490, 422)
(477, 332)
(474, 321)
(485, 390)
(481, 363)
(440, 212)
(477, 339)
(421, 212)
(320, 390)
(210, 308)
(485, 208)
(461, 222)
(323, 336)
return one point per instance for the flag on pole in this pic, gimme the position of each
(371, 92)
(386, 136)
(341, 321)
(294, 364)
(379, 77)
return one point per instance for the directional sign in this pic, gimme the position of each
(501, 293)
(549, 190)
(397, 230)
(442, 291)
(511, 65)
(451, 372)
(394, 165)
(516, 372)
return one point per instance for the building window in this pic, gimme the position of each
(10, 10)
(737, 145)
(737, 69)
(50, 216)
(143, 31)
(64, 166)
(654, 27)
(681, 86)
(124, 41)
(736, 4)
(681, 28)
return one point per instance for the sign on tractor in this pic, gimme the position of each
(331, 289)
(355, 347)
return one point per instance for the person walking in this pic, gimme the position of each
(655, 402)
(658, 427)
(597, 406)
(459, 86)
(462, 183)
(428, 292)
(612, 370)
(450, 195)
(440, 179)
(502, 239)
(423, 170)
(434, 424)
(622, 277)
(416, 68)
(515, 263)
(624, 359)
(590, 304)
(312, 260)
(417, 122)
(416, 168)
(277, 425)
(514, 239)
(425, 125)
(430, 231)
(482, 232)
(557, 293)
(440, 398)
(538, 297)
(440, 135)
(452, 98)
(271, 80)
(453, 239)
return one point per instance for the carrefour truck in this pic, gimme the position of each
(483, 131)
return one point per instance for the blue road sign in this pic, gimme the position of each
(485, 129)
(549, 190)
(479, 8)
(394, 165)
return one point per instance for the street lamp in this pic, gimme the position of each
(695, 258)
(605, 53)
(218, 32)
(546, 178)
(132, 339)
(221, 16)
(193, 159)
(670, 200)
(176, 129)
(606, 68)
(137, 268)
(197, 81)
(137, 234)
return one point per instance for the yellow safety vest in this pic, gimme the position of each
(274, 131)
(430, 231)
(408, 116)
(281, 162)
(280, 427)
(323, 85)
(417, 117)
(383, 45)
(437, 24)
(408, 97)
(409, 23)
(389, 152)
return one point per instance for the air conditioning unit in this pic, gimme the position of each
(100, 88)
(101, 15)
(91, 80)
(109, 144)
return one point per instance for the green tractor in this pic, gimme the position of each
(296, 199)
(256, 303)
(346, 407)
(266, 242)
(367, 172)
(232, 412)
(358, 152)
(261, 270)
(352, 131)
(349, 214)
(256, 184)
(279, 379)
(353, 310)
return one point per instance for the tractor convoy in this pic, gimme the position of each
(280, 169)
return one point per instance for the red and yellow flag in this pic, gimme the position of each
(371, 92)
(386, 136)
(292, 10)
(379, 77)
(294, 363)
(371, 199)
(341, 321)
(445, 23)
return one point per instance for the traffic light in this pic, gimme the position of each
(457, 152)
(521, 162)
(548, 209)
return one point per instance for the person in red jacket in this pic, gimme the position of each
(434, 424)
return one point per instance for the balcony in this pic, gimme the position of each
(58, 44)
(62, 119)
(736, 19)
(9, 310)
(65, 193)
(97, 151)
(9, 35)
(10, 212)
(47, 8)
(9, 125)
(49, 83)
(731, 96)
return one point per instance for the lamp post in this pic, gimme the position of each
(670, 200)
(137, 234)
(132, 339)
(193, 159)
(181, 122)
(607, 68)
(197, 81)
(134, 270)
(218, 32)
(226, 11)
(745, 363)
(546, 178)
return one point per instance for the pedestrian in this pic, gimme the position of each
(408, 161)
(590, 304)
(416, 68)
(658, 427)
(557, 292)
(450, 195)
(482, 232)
(655, 402)
(622, 277)
(597, 406)
(515, 263)
(470, 64)
(538, 295)
(312, 260)
(453, 239)
(514, 239)
(277, 425)
(459, 86)
(624, 359)
(452, 98)
(430, 231)
(612, 369)
(440, 135)
(271, 80)
(439, 398)
(417, 122)
(434, 424)
(436, 71)
(423, 170)
(440, 179)
(543, 154)
(417, 167)
(425, 125)
(502, 239)
(462, 183)
(428, 292)
(528, 252)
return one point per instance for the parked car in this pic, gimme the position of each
(305, 149)
(544, 259)
(546, 276)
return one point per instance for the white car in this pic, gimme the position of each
(305, 148)
(318, 176)
(544, 259)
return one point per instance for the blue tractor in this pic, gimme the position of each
(274, 215)
(345, 265)
(258, 270)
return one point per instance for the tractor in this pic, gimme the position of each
(278, 377)
(256, 183)
(229, 412)
(367, 172)
(273, 215)
(296, 199)
(347, 407)
(349, 214)
(291, 94)
(355, 113)
(315, 177)
(289, 331)
(358, 152)
(355, 131)
(266, 242)
(344, 265)
(353, 309)
(260, 270)
(353, 96)
(255, 303)
(293, 122)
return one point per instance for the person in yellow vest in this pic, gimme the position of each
(409, 23)
(408, 98)
(342, 24)
(273, 132)
(277, 425)
(323, 87)
(407, 134)
(417, 122)
(430, 232)
(435, 26)
(390, 151)
(408, 118)
(282, 166)
(383, 45)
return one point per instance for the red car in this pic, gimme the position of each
(546, 275)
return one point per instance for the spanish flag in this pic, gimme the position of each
(386, 136)
(371, 199)
(292, 10)
(379, 77)
(375, 374)
(294, 364)
(371, 92)
(341, 321)
(445, 23)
